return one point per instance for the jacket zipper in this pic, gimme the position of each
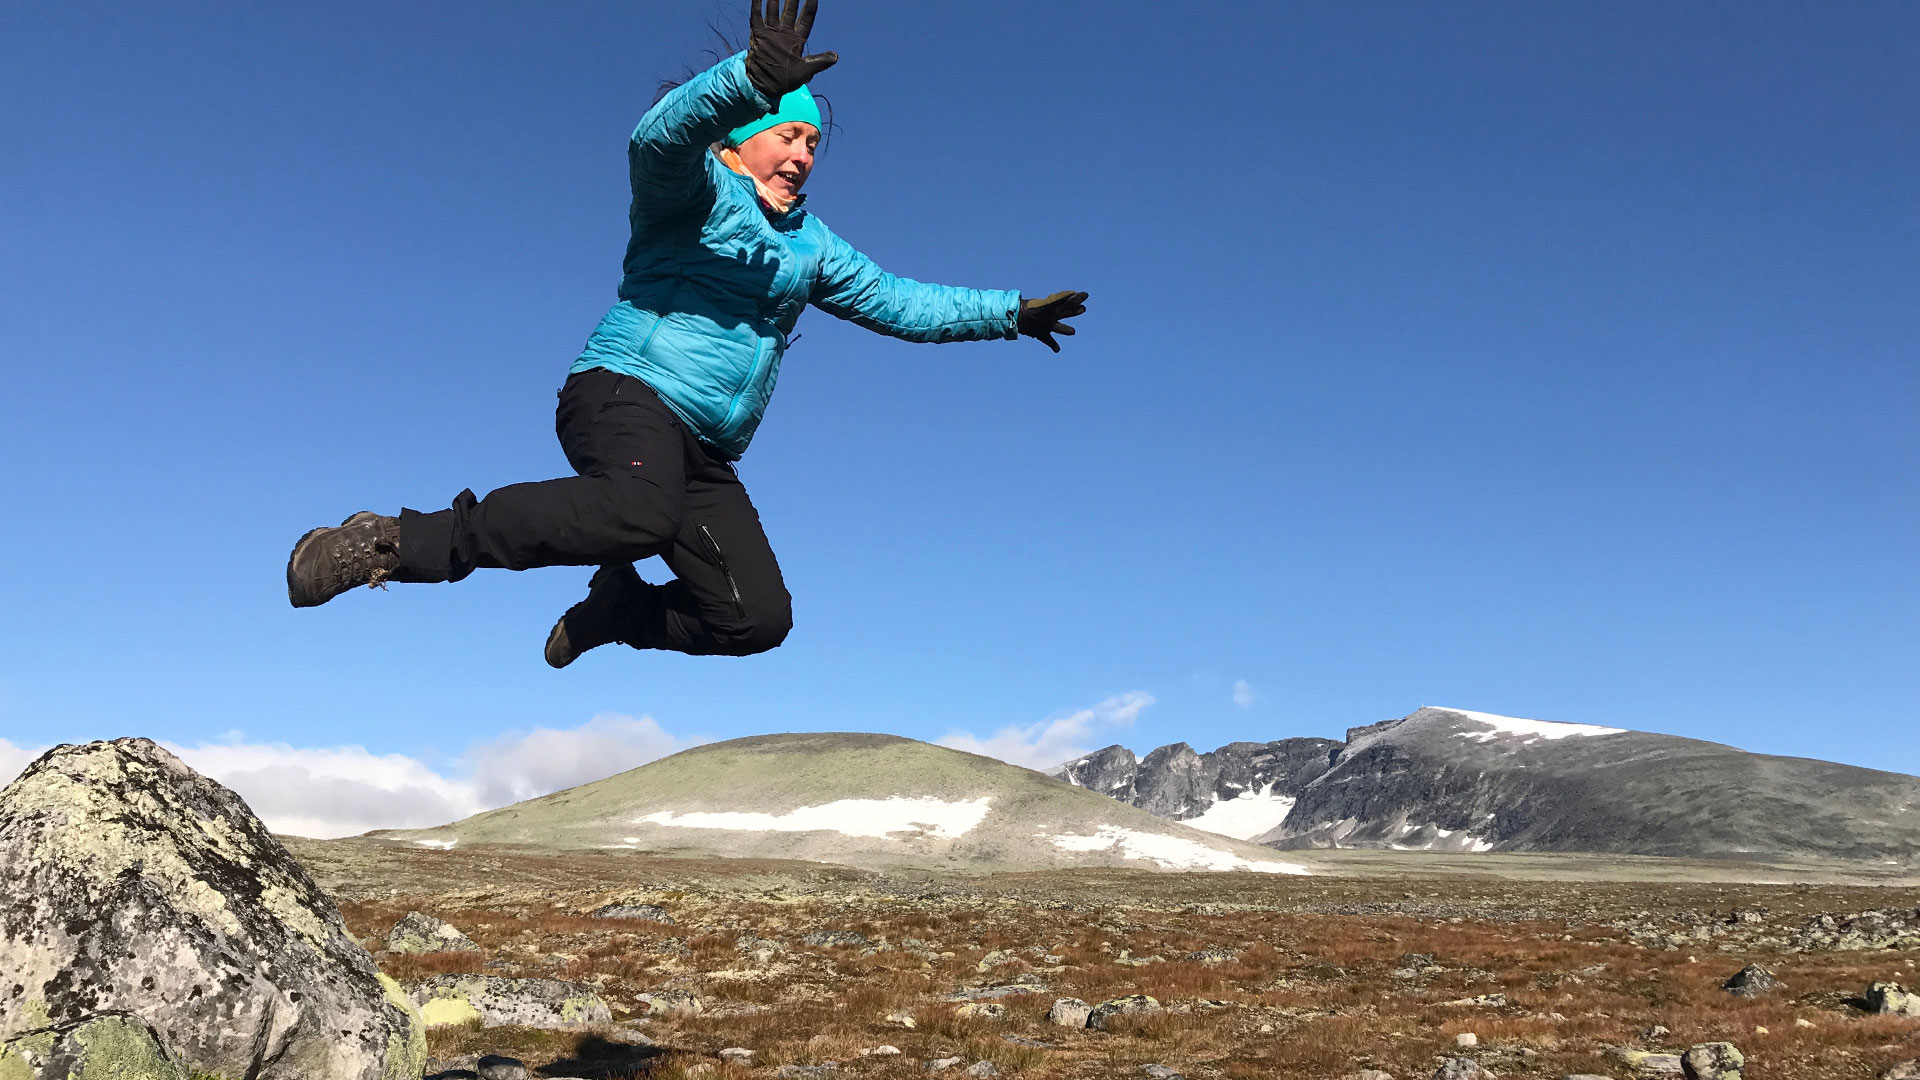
(739, 606)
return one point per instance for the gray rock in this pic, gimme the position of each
(1890, 998)
(1585, 1076)
(1161, 1072)
(943, 1064)
(739, 1055)
(981, 1010)
(1069, 1013)
(994, 959)
(135, 885)
(1372, 1074)
(494, 1067)
(1462, 1069)
(496, 999)
(1645, 1063)
(111, 1045)
(1713, 1061)
(1905, 1070)
(1752, 981)
(421, 933)
(806, 1072)
(822, 939)
(681, 1002)
(1105, 1013)
(982, 1069)
(641, 912)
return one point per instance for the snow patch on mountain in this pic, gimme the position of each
(1246, 815)
(1170, 852)
(1525, 729)
(927, 817)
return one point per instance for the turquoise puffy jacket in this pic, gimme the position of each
(714, 282)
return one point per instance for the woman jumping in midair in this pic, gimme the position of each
(669, 389)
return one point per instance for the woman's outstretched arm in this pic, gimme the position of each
(853, 287)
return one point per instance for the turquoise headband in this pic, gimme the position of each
(797, 106)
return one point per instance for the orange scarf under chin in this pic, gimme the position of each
(778, 203)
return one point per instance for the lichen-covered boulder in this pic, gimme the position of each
(106, 1046)
(1069, 1013)
(1713, 1061)
(420, 933)
(1753, 981)
(496, 999)
(1104, 1014)
(136, 885)
(1891, 998)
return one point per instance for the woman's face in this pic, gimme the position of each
(782, 156)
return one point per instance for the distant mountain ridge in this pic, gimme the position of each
(874, 801)
(1457, 780)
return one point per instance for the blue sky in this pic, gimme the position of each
(1549, 360)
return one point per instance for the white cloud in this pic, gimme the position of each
(1055, 740)
(1243, 694)
(334, 790)
(516, 767)
(15, 758)
(343, 790)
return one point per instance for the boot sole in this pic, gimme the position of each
(293, 594)
(556, 643)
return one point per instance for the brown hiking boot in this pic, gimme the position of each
(590, 623)
(361, 550)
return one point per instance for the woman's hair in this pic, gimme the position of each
(724, 48)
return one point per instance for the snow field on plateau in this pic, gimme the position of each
(1246, 816)
(1525, 729)
(1169, 852)
(849, 817)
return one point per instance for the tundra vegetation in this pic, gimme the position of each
(821, 971)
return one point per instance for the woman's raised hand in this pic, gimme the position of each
(776, 48)
(1041, 318)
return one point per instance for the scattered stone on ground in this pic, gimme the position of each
(640, 912)
(496, 1067)
(981, 1010)
(901, 1017)
(1466, 1040)
(1890, 997)
(1161, 1072)
(983, 1069)
(1905, 1070)
(134, 886)
(1461, 1068)
(1647, 1063)
(1713, 1061)
(1101, 1016)
(419, 932)
(684, 1002)
(994, 959)
(1752, 981)
(496, 999)
(824, 939)
(943, 1064)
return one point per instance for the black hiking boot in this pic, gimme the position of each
(361, 550)
(590, 623)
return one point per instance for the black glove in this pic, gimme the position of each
(775, 46)
(1041, 318)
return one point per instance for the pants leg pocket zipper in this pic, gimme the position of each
(713, 546)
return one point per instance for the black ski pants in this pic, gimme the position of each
(646, 487)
